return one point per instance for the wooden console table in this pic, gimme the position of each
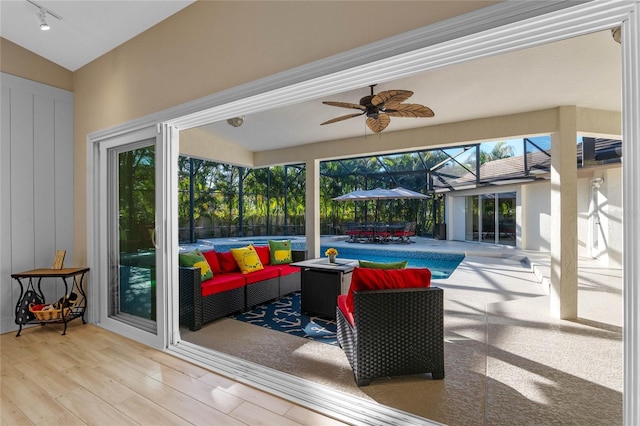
(321, 284)
(79, 308)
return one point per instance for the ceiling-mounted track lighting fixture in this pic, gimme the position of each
(42, 15)
(43, 20)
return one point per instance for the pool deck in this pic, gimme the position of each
(503, 346)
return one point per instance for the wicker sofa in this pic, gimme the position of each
(392, 331)
(230, 291)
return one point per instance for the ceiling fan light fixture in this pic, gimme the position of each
(236, 121)
(381, 107)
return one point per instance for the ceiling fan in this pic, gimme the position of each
(381, 107)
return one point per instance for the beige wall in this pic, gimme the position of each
(21, 62)
(211, 46)
(199, 144)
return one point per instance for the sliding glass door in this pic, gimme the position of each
(491, 218)
(132, 274)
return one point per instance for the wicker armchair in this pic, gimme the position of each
(395, 332)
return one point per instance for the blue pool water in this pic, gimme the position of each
(441, 265)
(297, 243)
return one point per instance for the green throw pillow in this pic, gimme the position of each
(379, 265)
(280, 252)
(196, 259)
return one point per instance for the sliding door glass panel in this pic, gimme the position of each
(132, 248)
(471, 218)
(488, 218)
(507, 218)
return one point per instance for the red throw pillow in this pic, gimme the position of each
(227, 262)
(381, 279)
(212, 260)
(263, 254)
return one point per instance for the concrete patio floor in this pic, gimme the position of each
(507, 359)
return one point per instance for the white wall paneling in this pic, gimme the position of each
(36, 209)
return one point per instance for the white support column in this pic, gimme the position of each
(631, 213)
(564, 217)
(312, 213)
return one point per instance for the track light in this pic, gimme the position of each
(42, 15)
(43, 21)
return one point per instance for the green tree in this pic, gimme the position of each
(500, 150)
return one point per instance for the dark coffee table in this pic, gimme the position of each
(321, 284)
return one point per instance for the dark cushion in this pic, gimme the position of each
(264, 254)
(222, 282)
(269, 272)
(380, 265)
(364, 279)
(196, 259)
(212, 259)
(227, 262)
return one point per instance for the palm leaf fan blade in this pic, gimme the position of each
(378, 124)
(408, 110)
(344, 105)
(343, 117)
(393, 96)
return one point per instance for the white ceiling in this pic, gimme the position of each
(583, 71)
(88, 29)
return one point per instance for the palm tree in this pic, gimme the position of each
(500, 150)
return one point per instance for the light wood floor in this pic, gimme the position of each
(92, 376)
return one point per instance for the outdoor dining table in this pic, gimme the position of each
(376, 232)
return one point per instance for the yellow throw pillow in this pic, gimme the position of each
(247, 259)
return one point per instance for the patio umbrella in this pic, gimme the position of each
(380, 194)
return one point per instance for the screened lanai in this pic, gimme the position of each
(220, 200)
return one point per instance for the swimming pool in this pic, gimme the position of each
(441, 265)
(297, 243)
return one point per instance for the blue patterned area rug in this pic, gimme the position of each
(284, 315)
